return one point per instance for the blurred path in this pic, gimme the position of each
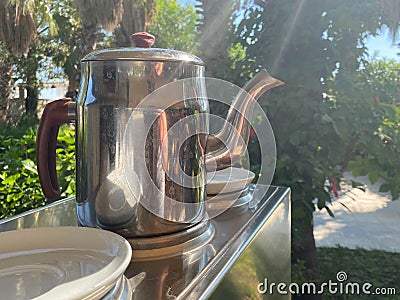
(370, 221)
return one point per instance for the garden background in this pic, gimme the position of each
(338, 111)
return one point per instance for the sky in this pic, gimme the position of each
(383, 46)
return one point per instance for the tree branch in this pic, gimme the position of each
(43, 30)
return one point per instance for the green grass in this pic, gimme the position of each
(380, 268)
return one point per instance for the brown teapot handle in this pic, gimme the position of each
(54, 115)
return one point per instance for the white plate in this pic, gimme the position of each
(228, 180)
(61, 263)
(221, 202)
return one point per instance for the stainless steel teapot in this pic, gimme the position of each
(132, 175)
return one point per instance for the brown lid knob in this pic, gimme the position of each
(143, 39)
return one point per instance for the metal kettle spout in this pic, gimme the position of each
(227, 147)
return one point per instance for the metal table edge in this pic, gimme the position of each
(230, 253)
(38, 209)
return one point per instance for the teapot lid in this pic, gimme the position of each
(142, 52)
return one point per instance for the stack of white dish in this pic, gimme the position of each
(64, 263)
(228, 188)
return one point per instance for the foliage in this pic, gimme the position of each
(381, 78)
(49, 35)
(392, 9)
(377, 267)
(215, 23)
(372, 122)
(18, 30)
(275, 36)
(319, 118)
(19, 182)
(175, 26)
(17, 25)
(40, 43)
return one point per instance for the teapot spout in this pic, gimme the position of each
(227, 147)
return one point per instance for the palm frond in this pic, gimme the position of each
(17, 25)
(392, 9)
(104, 13)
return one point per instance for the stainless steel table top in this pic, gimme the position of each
(188, 271)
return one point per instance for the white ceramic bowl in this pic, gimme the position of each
(61, 263)
(228, 180)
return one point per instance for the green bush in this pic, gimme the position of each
(19, 182)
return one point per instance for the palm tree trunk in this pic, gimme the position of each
(31, 100)
(138, 15)
(5, 86)
(88, 40)
(303, 241)
(73, 85)
(95, 15)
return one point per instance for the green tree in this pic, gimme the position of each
(26, 32)
(215, 25)
(306, 44)
(94, 17)
(175, 26)
(382, 79)
(17, 32)
(68, 42)
(123, 17)
(29, 65)
(35, 32)
(373, 145)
